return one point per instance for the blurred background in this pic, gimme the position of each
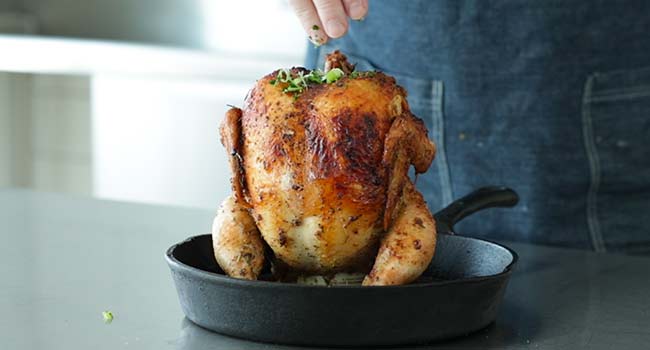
(122, 99)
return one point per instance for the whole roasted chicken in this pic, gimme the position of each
(320, 164)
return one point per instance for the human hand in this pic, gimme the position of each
(324, 19)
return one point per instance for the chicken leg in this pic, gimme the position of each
(236, 240)
(237, 243)
(407, 248)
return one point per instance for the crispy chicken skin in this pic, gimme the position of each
(324, 177)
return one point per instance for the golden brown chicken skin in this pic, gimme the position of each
(323, 173)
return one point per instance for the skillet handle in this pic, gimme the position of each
(484, 197)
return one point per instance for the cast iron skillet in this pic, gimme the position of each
(461, 293)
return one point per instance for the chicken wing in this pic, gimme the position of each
(406, 143)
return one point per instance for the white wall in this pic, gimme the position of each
(155, 136)
(5, 132)
(135, 122)
(60, 133)
(147, 135)
(45, 132)
(157, 140)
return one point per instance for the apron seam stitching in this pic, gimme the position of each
(437, 116)
(594, 167)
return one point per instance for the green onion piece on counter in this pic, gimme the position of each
(108, 316)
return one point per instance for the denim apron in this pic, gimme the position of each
(550, 98)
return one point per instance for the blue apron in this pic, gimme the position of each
(551, 98)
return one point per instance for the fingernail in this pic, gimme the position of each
(356, 10)
(335, 28)
(316, 38)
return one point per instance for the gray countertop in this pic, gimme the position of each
(64, 260)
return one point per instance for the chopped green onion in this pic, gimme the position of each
(315, 76)
(300, 82)
(283, 75)
(315, 27)
(293, 88)
(357, 74)
(108, 316)
(333, 75)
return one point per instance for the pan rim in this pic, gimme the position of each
(176, 264)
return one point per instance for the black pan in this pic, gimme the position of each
(465, 284)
